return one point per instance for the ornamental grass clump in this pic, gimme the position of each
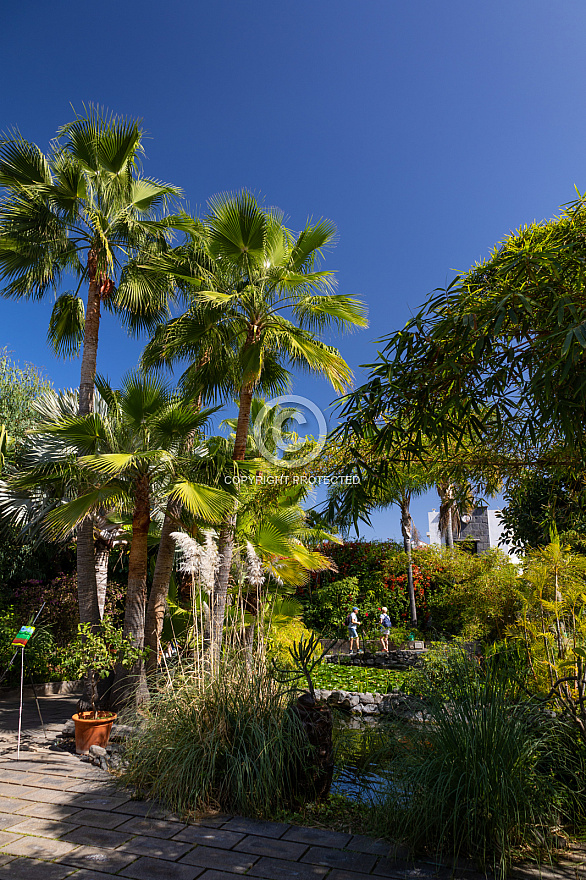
(481, 778)
(225, 742)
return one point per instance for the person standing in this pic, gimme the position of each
(353, 623)
(385, 628)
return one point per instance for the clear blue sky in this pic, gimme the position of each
(425, 130)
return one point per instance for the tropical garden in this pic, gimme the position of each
(166, 526)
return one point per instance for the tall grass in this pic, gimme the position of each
(225, 742)
(480, 779)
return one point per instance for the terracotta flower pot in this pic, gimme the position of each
(90, 731)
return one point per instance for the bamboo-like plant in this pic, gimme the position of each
(552, 627)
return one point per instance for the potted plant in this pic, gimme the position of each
(94, 654)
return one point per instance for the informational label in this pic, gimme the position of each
(22, 636)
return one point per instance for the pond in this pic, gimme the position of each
(362, 759)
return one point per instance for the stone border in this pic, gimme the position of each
(369, 705)
(399, 659)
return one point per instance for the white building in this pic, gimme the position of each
(481, 530)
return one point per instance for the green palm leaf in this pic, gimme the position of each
(67, 325)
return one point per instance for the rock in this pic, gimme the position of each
(378, 699)
(336, 696)
(325, 695)
(98, 752)
(366, 698)
(356, 710)
(68, 728)
(122, 731)
(369, 709)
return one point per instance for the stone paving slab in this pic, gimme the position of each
(107, 861)
(337, 858)
(276, 869)
(98, 818)
(156, 847)
(37, 847)
(32, 869)
(220, 859)
(256, 826)
(151, 827)
(319, 837)
(43, 827)
(266, 846)
(90, 836)
(217, 837)
(153, 869)
(45, 811)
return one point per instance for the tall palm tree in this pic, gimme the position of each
(137, 464)
(84, 214)
(268, 298)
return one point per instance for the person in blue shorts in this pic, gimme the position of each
(353, 622)
(385, 628)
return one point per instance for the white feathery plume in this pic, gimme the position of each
(254, 567)
(190, 553)
(209, 561)
(201, 562)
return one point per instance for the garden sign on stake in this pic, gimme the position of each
(20, 641)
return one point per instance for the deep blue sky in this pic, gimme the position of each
(425, 130)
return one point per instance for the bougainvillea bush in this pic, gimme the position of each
(455, 593)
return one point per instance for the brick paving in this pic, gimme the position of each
(62, 818)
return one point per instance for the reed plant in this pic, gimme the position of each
(481, 778)
(225, 741)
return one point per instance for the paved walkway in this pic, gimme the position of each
(60, 817)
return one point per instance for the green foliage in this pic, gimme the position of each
(22, 561)
(456, 593)
(551, 628)
(499, 356)
(487, 776)
(225, 742)
(41, 657)
(97, 652)
(18, 389)
(538, 501)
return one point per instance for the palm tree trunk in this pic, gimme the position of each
(89, 611)
(87, 593)
(449, 530)
(102, 556)
(155, 614)
(406, 530)
(227, 533)
(130, 685)
(89, 356)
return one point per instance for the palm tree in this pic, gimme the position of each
(84, 212)
(262, 287)
(47, 474)
(137, 461)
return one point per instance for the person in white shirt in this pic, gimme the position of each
(353, 622)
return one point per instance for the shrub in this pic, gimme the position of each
(41, 659)
(226, 742)
(481, 779)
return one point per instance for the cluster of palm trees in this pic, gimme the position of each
(235, 297)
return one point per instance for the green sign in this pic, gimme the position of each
(23, 636)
